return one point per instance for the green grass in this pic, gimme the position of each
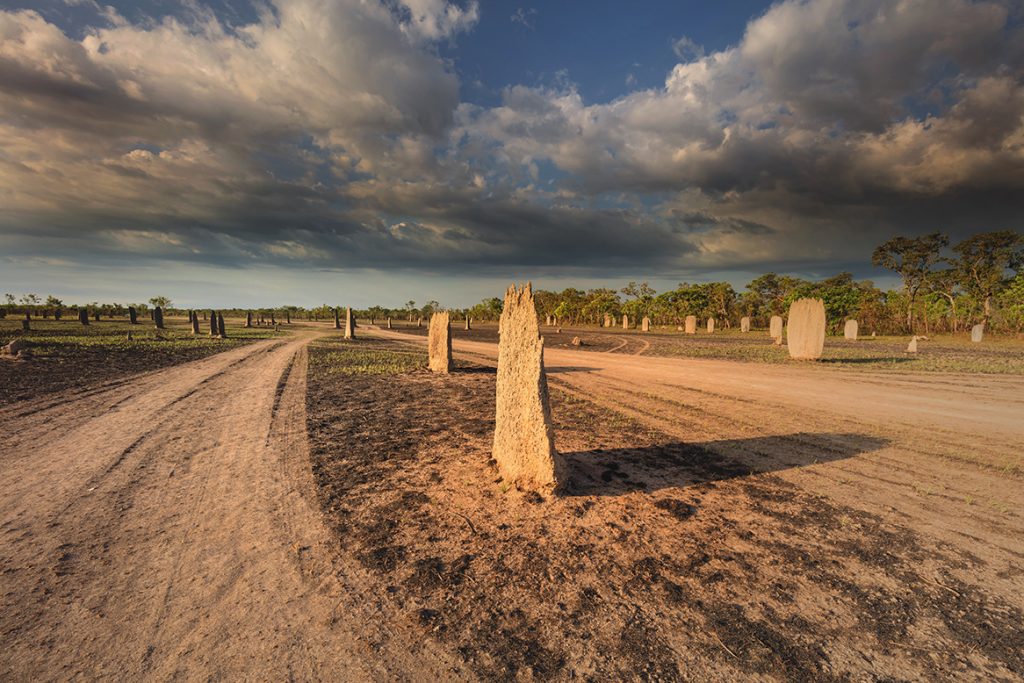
(52, 338)
(338, 357)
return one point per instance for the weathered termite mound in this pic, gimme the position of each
(524, 443)
(83, 316)
(337, 321)
(775, 329)
(158, 318)
(745, 324)
(711, 325)
(221, 332)
(133, 316)
(194, 319)
(439, 343)
(625, 321)
(248, 319)
(850, 330)
(645, 324)
(350, 324)
(978, 333)
(805, 331)
(691, 324)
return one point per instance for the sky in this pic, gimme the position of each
(378, 151)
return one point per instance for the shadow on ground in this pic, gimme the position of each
(616, 471)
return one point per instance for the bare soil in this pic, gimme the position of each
(667, 560)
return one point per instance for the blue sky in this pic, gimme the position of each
(597, 45)
(373, 151)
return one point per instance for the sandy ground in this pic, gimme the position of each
(164, 527)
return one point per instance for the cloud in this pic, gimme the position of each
(524, 17)
(686, 49)
(437, 19)
(330, 134)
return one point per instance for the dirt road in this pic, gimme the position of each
(162, 528)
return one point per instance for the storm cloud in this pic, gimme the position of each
(332, 134)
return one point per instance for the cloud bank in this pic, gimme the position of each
(331, 134)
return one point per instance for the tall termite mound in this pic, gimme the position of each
(439, 342)
(745, 324)
(850, 330)
(524, 443)
(775, 329)
(350, 324)
(805, 331)
(158, 318)
(83, 316)
(214, 331)
(691, 324)
(194, 319)
(337, 321)
(711, 325)
(221, 332)
(645, 324)
(248, 318)
(133, 316)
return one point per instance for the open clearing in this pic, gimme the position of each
(943, 353)
(724, 519)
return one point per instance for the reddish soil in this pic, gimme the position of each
(668, 559)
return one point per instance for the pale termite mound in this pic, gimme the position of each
(439, 343)
(805, 330)
(524, 443)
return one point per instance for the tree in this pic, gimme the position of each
(945, 283)
(913, 258)
(983, 262)
(1012, 300)
(161, 301)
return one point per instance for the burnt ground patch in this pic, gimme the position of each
(718, 574)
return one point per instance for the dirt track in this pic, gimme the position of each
(160, 528)
(163, 527)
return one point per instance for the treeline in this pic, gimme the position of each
(945, 289)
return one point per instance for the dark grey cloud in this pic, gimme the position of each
(330, 134)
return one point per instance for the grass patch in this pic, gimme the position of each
(340, 357)
(67, 355)
(945, 353)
